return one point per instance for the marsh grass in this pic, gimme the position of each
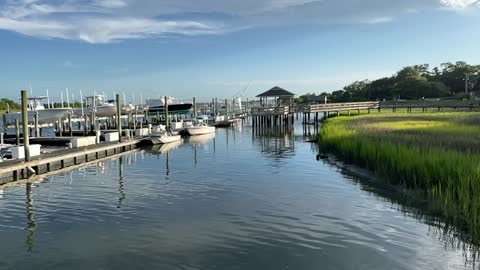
(437, 153)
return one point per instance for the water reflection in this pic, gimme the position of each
(275, 142)
(415, 204)
(121, 185)
(31, 224)
(261, 217)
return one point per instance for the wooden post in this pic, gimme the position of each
(35, 121)
(135, 119)
(92, 119)
(70, 129)
(5, 125)
(165, 111)
(17, 131)
(26, 137)
(194, 108)
(119, 120)
(85, 127)
(226, 107)
(60, 130)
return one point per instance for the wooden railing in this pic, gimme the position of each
(282, 110)
(329, 107)
(430, 104)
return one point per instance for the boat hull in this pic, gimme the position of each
(101, 111)
(44, 116)
(172, 109)
(164, 139)
(194, 131)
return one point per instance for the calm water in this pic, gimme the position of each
(236, 201)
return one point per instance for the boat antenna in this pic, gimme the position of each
(61, 95)
(68, 98)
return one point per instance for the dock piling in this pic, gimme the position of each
(70, 129)
(17, 131)
(194, 108)
(165, 111)
(119, 119)
(26, 139)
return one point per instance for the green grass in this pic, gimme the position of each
(438, 153)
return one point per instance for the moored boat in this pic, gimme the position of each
(200, 129)
(164, 138)
(158, 106)
(35, 106)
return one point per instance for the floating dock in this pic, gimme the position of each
(14, 170)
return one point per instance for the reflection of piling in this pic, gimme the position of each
(167, 165)
(31, 225)
(26, 137)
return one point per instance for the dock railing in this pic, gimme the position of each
(329, 107)
(281, 110)
(430, 104)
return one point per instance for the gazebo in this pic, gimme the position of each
(276, 97)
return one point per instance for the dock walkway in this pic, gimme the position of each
(18, 169)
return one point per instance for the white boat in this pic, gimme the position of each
(200, 129)
(164, 138)
(98, 105)
(35, 106)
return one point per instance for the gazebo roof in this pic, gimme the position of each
(277, 92)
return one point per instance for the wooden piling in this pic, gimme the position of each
(60, 130)
(70, 129)
(119, 119)
(165, 111)
(85, 124)
(194, 108)
(26, 137)
(35, 121)
(17, 131)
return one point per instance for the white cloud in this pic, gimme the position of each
(459, 3)
(104, 21)
(380, 20)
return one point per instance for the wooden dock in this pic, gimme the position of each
(272, 116)
(18, 169)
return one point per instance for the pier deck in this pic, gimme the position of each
(18, 169)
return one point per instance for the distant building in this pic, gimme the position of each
(276, 97)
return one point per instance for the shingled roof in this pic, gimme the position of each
(277, 92)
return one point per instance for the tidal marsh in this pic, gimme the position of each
(437, 153)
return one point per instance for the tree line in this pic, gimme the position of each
(412, 82)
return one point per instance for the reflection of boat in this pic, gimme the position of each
(200, 139)
(200, 129)
(158, 106)
(164, 138)
(35, 106)
(163, 148)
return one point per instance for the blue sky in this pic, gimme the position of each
(208, 48)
